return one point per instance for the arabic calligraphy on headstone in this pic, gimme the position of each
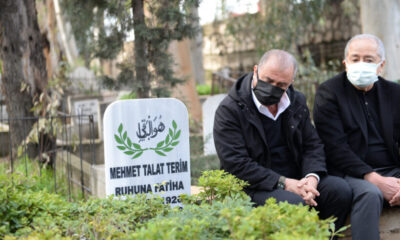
(149, 128)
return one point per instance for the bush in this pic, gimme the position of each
(42, 175)
(24, 212)
(205, 89)
(276, 221)
(128, 96)
(222, 211)
(202, 221)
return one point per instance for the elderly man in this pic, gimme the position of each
(263, 135)
(357, 115)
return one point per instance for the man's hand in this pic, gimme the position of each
(395, 201)
(305, 188)
(389, 186)
(310, 184)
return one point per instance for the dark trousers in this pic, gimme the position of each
(367, 206)
(334, 200)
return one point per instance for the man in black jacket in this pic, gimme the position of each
(357, 116)
(263, 135)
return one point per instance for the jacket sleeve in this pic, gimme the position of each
(233, 154)
(313, 156)
(327, 118)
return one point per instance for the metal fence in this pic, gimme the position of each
(54, 150)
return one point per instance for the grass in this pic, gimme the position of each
(43, 175)
(205, 89)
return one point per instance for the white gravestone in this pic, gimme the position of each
(209, 108)
(146, 148)
(87, 107)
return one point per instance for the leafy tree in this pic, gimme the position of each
(291, 25)
(277, 25)
(101, 27)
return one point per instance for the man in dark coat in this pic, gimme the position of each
(263, 135)
(357, 115)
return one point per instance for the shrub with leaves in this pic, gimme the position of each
(203, 221)
(222, 211)
(20, 206)
(277, 221)
(218, 184)
(24, 212)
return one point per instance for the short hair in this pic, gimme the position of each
(381, 48)
(284, 59)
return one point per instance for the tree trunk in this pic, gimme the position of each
(23, 63)
(196, 51)
(52, 58)
(180, 51)
(382, 18)
(141, 54)
(66, 35)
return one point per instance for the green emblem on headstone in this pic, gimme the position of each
(135, 150)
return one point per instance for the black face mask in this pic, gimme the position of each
(267, 93)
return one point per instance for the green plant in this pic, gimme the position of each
(44, 131)
(205, 89)
(102, 27)
(24, 211)
(277, 221)
(222, 212)
(44, 177)
(218, 185)
(202, 221)
(127, 96)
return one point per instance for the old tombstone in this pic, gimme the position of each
(146, 148)
(85, 106)
(209, 108)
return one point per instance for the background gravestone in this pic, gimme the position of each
(146, 148)
(209, 108)
(85, 105)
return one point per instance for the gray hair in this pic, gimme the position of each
(284, 59)
(381, 48)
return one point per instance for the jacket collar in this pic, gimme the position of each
(241, 94)
(384, 104)
(241, 91)
(385, 109)
(355, 106)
